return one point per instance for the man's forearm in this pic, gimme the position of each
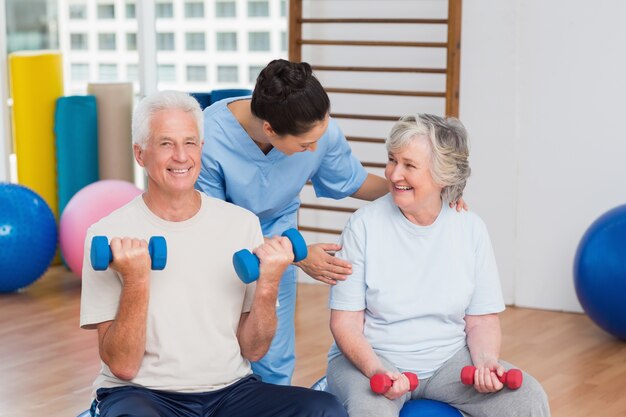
(123, 341)
(257, 330)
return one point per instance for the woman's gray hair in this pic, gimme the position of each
(163, 100)
(449, 147)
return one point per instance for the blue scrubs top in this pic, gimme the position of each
(235, 169)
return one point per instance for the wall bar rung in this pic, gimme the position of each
(379, 69)
(372, 43)
(364, 117)
(373, 164)
(386, 92)
(327, 208)
(366, 140)
(368, 20)
(319, 230)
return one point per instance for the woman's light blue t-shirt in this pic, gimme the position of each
(416, 283)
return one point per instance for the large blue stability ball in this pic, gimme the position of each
(413, 408)
(600, 272)
(28, 237)
(428, 408)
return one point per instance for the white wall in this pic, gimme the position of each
(542, 94)
(542, 87)
(488, 108)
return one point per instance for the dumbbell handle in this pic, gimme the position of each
(512, 378)
(247, 264)
(102, 256)
(380, 383)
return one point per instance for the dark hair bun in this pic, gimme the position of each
(282, 78)
(289, 97)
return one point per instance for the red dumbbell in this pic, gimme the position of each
(512, 378)
(380, 383)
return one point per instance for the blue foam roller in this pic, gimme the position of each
(76, 140)
(204, 99)
(247, 264)
(101, 255)
(217, 95)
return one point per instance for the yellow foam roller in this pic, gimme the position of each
(36, 80)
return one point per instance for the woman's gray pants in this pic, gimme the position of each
(353, 390)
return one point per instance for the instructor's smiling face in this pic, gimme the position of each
(172, 155)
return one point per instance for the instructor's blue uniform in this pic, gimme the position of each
(236, 170)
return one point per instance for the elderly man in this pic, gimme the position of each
(179, 341)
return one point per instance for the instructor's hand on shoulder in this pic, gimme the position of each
(131, 259)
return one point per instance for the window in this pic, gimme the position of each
(165, 41)
(226, 41)
(131, 41)
(258, 8)
(194, 9)
(225, 9)
(194, 41)
(78, 42)
(80, 72)
(106, 11)
(259, 41)
(107, 72)
(253, 73)
(78, 11)
(131, 11)
(132, 72)
(283, 41)
(196, 73)
(166, 73)
(106, 41)
(227, 74)
(283, 8)
(164, 10)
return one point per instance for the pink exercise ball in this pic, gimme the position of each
(86, 207)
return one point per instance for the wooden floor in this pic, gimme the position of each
(47, 364)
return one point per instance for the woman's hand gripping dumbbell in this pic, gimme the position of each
(101, 255)
(381, 383)
(247, 264)
(511, 379)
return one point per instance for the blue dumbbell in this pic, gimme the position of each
(101, 255)
(247, 264)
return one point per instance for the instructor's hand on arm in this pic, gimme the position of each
(323, 266)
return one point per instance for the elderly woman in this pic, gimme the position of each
(424, 293)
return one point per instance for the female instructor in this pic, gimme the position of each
(254, 156)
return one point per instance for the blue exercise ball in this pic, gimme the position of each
(600, 271)
(428, 408)
(28, 237)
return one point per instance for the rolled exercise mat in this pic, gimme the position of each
(115, 152)
(76, 130)
(36, 80)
